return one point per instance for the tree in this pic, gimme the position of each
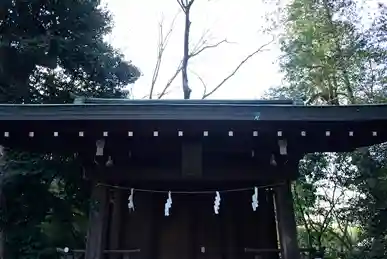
(39, 36)
(322, 203)
(189, 53)
(331, 58)
(323, 54)
(56, 48)
(162, 45)
(186, 6)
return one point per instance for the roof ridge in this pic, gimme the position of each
(93, 100)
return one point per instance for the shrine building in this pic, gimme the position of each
(190, 179)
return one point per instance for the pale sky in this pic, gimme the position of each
(240, 22)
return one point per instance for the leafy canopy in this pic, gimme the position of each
(38, 36)
(48, 49)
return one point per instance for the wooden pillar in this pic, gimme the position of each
(2, 176)
(286, 221)
(95, 243)
(268, 224)
(115, 223)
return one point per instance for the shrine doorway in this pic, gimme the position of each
(194, 231)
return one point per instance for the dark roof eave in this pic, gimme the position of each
(194, 110)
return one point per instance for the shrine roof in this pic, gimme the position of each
(201, 110)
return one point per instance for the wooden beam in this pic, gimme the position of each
(286, 221)
(241, 172)
(191, 159)
(95, 243)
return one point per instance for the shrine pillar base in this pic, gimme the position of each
(95, 243)
(287, 227)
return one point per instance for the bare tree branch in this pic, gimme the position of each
(197, 52)
(158, 96)
(190, 3)
(179, 68)
(164, 93)
(162, 44)
(202, 43)
(170, 81)
(184, 5)
(260, 49)
(201, 80)
(158, 61)
(181, 4)
(202, 40)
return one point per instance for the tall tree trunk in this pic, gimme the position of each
(342, 68)
(186, 89)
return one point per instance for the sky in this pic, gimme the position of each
(136, 34)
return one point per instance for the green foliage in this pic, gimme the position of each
(327, 58)
(331, 57)
(39, 36)
(371, 181)
(321, 200)
(45, 204)
(49, 49)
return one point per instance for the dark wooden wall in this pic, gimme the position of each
(193, 230)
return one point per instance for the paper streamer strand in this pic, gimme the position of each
(190, 192)
(217, 203)
(168, 204)
(254, 203)
(130, 200)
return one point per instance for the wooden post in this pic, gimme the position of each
(287, 227)
(95, 243)
(115, 224)
(268, 224)
(2, 177)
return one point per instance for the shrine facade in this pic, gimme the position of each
(194, 178)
